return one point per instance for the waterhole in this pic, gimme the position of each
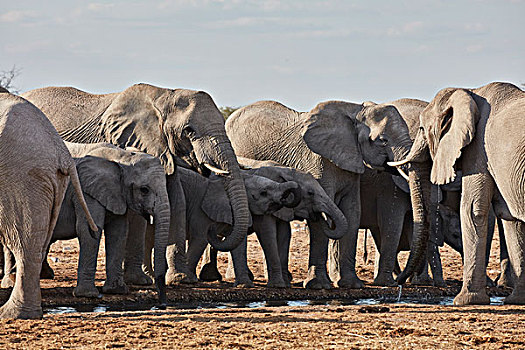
(100, 308)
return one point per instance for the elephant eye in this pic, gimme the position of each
(188, 130)
(311, 193)
(144, 190)
(264, 193)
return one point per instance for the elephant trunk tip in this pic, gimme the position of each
(160, 282)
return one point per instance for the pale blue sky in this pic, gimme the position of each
(297, 52)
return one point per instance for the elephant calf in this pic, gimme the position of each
(274, 230)
(208, 209)
(114, 181)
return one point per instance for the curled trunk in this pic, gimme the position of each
(234, 186)
(292, 194)
(338, 225)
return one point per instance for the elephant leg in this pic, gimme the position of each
(240, 265)
(390, 227)
(265, 229)
(25, 299)
(196, 248)
(47, 272)
(133, 273)
(115, 230)
(284, 235)
(515, 238)
(506, 277)
(209, 271)
(178, 270)
(87, 264)
(344, 249)
(476, 196)
(317, 276)
(9, 278)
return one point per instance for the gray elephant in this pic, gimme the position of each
(209, 210)
(164, 123)
(273, 231)
(332, 142)
(35, 166)
(114, 181)
(463, 128)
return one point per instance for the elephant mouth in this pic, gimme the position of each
(327, 219)
(274, 207)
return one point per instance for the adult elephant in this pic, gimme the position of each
(332, 141)
(463, 128)
(35, 166)
(164, 123)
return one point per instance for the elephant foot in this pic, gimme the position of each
(47, 272)
(276, 283)
(115, 287)
(352, 282)
(173, 277)
(505, 281)
(244, 283)
(287, 277)
(472, 298)
(137, 277)
(86, 291)
(384, 280)
(15, 310)
(8, 281)
(490, 282)
(417, 280)
(316, 279)
(210, 273)
(440, 282)
(515, 298)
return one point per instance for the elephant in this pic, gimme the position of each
(169, 124)
(35, 166)
(333, 142)
(114, 182)
(461, 129)
(274, 230)
(209, 209)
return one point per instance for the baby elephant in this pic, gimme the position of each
(208, 209)
(114, 181)
(273, 230)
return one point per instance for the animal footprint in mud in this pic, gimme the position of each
(373, 309)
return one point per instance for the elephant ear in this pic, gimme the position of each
(401, 183)
(457, 126)
(334, 136)
(216, 204)
(101, 179)
(133, 120)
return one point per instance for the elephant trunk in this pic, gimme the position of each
(419, 182)
(336, 223)
(162, 225)
(292, 194)
(236, 192)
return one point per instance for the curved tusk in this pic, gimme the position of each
(398, 163)
(402, 173)
(373, 167)
(151, 219)
(216, 170)
(245, 167)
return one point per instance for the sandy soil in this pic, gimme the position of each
(344, 322)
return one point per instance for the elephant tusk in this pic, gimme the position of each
(402, 173)
(373, 167)
(398, 163)
(216, 170)
(328, 220)
(245, 167)
(151, 219)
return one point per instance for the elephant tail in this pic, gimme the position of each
(73, 175)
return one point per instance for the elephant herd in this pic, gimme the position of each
(161, 174)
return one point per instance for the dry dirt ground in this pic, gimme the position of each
(217, 315)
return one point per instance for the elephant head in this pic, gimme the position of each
(168, 123)
(121, 179)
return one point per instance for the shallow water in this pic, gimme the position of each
(100, 308)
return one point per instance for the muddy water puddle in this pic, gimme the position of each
(101, 308)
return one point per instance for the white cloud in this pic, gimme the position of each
(16, 16)
(96, 7)
(474, 48)
(27, 47)
(407, 28)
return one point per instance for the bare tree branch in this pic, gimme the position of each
(7, 77)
